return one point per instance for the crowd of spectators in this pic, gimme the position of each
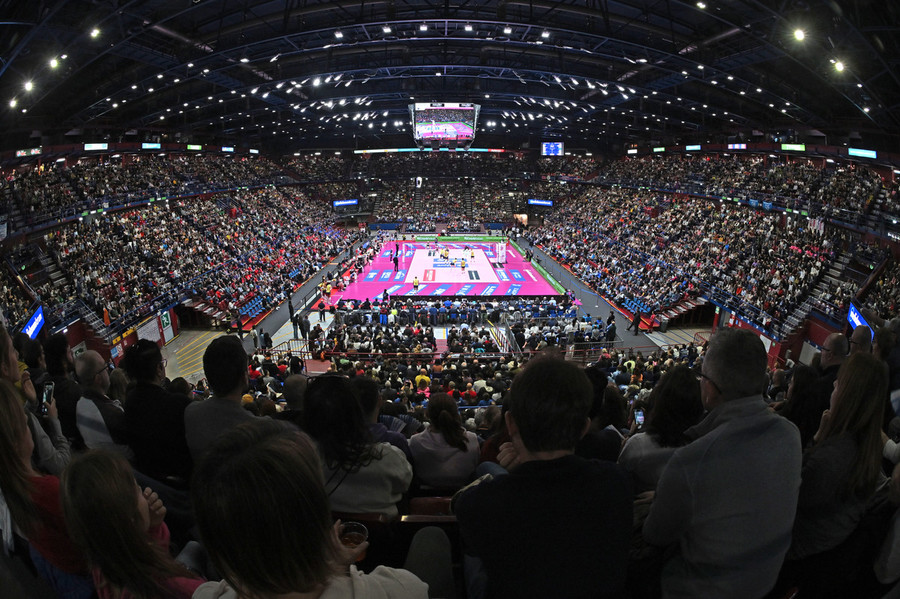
(225, 251)
(747, 258)
(319, 167)
(629, 246)
(14, 301)
(51, 192)
(442, 164)
(831, 191)
(658, 425)
(582, 168)
(885, 292)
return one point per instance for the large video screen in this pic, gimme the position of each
(552, 148)
(445, 120)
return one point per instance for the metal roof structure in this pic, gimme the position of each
(597, 74)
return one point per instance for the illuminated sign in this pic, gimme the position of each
(35, 323)
(856, 319)
(862, 153)
(194, 147)
(691, 148)
(533, 202)
(632, 151)
(737, 146)
(227, 149)
(659, 149)
(28, 152)
(254, 151)
(392, 150)
(89, 147)
(793, 147)
(146, 146)
(339, 203)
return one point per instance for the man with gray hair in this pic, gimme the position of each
(100, 420)
(726, 501)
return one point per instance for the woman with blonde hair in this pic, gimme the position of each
(121, 530)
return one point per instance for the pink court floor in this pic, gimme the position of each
(482, 274)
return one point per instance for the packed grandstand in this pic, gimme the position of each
(785, 248)
(654, 231)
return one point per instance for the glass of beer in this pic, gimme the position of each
(353, 534)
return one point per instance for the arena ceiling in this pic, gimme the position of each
(597, 74)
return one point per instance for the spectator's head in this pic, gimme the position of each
(265, 463)
(225, 366)
(834, 350)
(118, 385)
(443, 414)
(861, 340)
(676, 406)
(58, 355)
(335, 419)
(369, 397)
(883, 342)
(293, 391)
(857, 409)
(99, 486)
(33, 354)
(143, 362)
(92, 373)
(734, 366)
(180, 386)
(549, 402)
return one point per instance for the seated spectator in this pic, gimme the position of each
(557, 525)
(445, 454)
(50, 449)
(34, 504)
(268, 463)
(100, 420)
(726, 500)
(66, 392)
(225, 368)
(293, 390)
(841, 469)
(675, 407)
(121, 530)
(361, 476)
(371, 401)
(154, 417)
(801, 404)
(603, 440)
